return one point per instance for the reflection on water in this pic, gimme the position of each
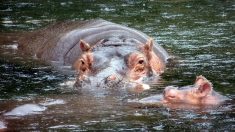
(200, 34)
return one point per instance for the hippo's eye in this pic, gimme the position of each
(171, 97)
(82, 61)
(141, 61)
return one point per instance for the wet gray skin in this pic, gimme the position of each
(111, 44)
(110, 58)
(60, 41)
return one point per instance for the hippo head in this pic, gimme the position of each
(110, 62)
(201, 93)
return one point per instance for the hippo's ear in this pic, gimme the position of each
(204, 89)
(155, 63)
(200, 79)
(149, 45)
(84, 46)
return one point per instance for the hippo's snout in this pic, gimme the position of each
(103, 80)
(115, 80)
(170, 92)
(112, 81)
(111, 78)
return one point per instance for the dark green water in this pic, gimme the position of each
(200, 34)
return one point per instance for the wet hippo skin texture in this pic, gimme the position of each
(97, 48)
(199, 95)
(59, 42)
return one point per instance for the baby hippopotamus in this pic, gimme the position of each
(199, 94)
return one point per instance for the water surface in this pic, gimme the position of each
(199, 34)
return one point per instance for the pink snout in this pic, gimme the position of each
(111, 78)
(170, 93)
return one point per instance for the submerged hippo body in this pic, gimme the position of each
(98, 47)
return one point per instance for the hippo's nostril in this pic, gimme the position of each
(111, 78)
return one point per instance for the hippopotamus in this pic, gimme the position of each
(98, 50)
(198, 95)
(201, 93)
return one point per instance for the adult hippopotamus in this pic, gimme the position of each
(100, 51)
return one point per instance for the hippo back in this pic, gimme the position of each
(60, 42)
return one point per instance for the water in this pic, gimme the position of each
(200, 34)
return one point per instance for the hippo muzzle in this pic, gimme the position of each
(113, 74)
(113, 69)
